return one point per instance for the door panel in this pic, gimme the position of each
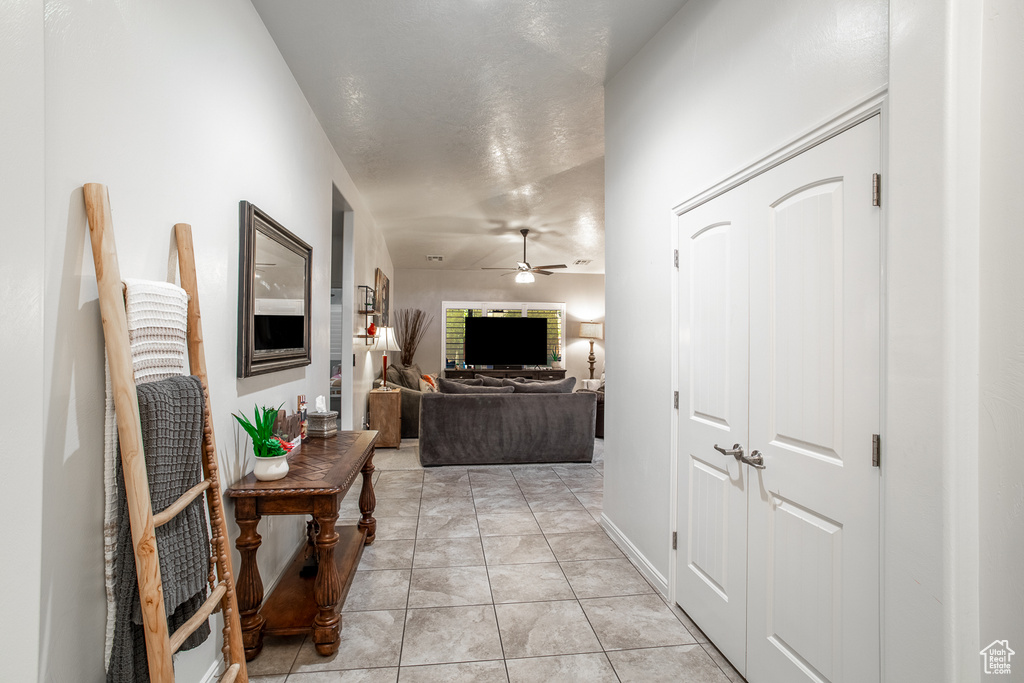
(709, 520)
(814, 405)
(712, 524)
(709, 316)
(803, 561)
(806, 288)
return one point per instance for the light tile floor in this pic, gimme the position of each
(500, 574)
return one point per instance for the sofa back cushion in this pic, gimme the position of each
(558, 386)
(489, 381)
(447, 386)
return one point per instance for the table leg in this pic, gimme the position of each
(250, 585)
(368, 502)
(327, 587)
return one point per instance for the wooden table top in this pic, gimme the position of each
(320, 466)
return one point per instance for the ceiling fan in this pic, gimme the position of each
(523, 270)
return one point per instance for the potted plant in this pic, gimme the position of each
(271, 455)
(556, 359)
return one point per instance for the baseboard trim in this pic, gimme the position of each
(642, 564)
(211, 673)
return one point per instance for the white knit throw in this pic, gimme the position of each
(157, 323)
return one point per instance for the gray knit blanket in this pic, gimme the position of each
(171, 413)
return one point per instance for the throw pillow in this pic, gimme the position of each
(560, 386)
(411, 375)
(426, 387)
(449, 387)
(430, 380)
(489, 381)
(395, 376)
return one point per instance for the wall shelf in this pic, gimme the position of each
(366, 323)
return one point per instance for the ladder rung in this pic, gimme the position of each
(230, 675)
(199, 617)
(172, 510)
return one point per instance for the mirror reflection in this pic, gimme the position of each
(279, 288)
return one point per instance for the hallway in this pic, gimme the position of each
(496, 574)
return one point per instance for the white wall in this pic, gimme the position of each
(583, 296)
(182, 109)
(21, 333)
(722, 84)
(1001, 467)
(727, 81)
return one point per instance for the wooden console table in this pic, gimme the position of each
(320, 472)
(543, 373)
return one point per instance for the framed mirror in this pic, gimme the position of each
(275, 274)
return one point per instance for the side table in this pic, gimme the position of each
(320, 472)
(386, 416)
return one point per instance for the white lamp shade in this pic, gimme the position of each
(386, 340)
(592, 330)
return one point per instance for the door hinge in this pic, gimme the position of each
(876, 189)
(675, 258)
(876, 450)
(675, 540)
(675, 399)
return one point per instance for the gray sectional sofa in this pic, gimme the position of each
(488, 429)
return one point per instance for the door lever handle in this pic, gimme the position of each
(736, 451)
(755, 459)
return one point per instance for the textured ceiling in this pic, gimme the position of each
(461, 121)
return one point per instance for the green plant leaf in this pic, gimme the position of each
(246, 425)
(258, 418)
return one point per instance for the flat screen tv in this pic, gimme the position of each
(506, 341)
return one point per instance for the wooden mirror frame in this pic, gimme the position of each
(250, 361)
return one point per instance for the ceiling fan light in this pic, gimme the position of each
(524, 277)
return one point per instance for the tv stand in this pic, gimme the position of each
(536, 373)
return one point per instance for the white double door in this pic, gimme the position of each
(779, 306)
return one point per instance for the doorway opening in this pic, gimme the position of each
(342, 287)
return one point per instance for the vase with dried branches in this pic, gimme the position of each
(410, 327)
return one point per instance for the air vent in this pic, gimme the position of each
(434, 258)
(581, 262)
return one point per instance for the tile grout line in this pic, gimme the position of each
(487, 571)
(408, 592)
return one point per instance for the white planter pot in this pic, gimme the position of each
(271, 469)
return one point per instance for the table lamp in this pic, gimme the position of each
(386, 341)
(591, 331)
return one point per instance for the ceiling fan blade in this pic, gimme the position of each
(542, 272)
(499, 269)
(560, 265)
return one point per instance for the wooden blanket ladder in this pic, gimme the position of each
(160, 644)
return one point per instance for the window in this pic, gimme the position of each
(454, 314)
